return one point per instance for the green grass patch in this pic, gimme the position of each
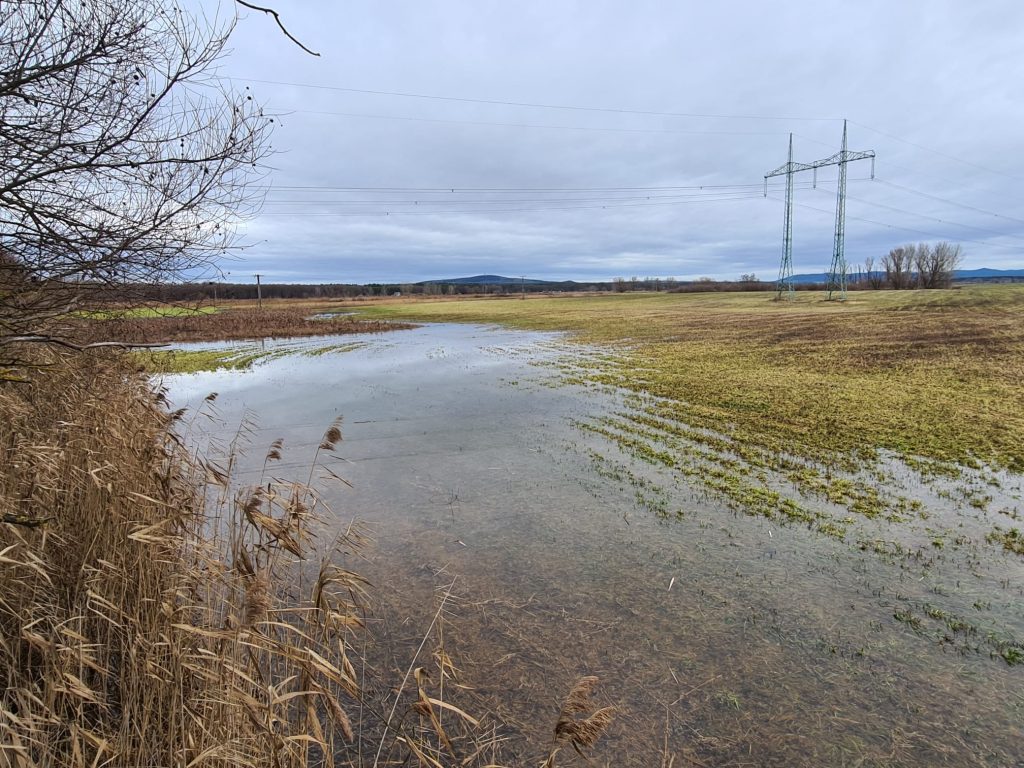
(195, 361)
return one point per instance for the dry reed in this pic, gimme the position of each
(153, 618)
(579, 724)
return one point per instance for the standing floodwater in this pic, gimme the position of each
(733, 638)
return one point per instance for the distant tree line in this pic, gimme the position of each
(920, 265)
(214, 291)
(915, 265)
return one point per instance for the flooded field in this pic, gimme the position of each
(739, 608)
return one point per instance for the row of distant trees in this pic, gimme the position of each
(920, 265)
(915, 265)
(218, 291)
(622, 285)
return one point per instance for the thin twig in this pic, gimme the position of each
(27, 522)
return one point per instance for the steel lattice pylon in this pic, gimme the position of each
(837, 272)
(785, 283)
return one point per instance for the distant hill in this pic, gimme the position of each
(491, 280)
(985, 272)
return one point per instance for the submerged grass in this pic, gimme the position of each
(1012, 539)
(231, 358)
(929, 374)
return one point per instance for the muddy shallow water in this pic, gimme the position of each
(723, 638)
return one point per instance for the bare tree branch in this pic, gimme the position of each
(57, 341)
(277, 18)
(124, 158)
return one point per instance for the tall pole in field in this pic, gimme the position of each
(259, 292)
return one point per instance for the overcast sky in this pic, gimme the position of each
(935, 88)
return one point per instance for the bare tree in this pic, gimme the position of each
(123, 157)
(922, 254)
(922, 265)
(898, 265)
(873, 276)
(945, 259)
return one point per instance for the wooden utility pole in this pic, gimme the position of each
(259, 292)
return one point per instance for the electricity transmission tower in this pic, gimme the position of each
(837, 271)
(785, 281)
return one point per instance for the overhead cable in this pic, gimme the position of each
(537, 105)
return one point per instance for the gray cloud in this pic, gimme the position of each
(941, 75)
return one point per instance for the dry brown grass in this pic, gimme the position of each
(137, 629)
(231, 324)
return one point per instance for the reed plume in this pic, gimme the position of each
(579, 724)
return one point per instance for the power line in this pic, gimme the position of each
(536, 105)
(455, 189)
(939, 153)
(525, 125)
(935, 218)
(520, 190)
(493, 202)
(927, 171)
(606, 110)
(709, 196)
(897, 226)
(949, 202)
(745, 196)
